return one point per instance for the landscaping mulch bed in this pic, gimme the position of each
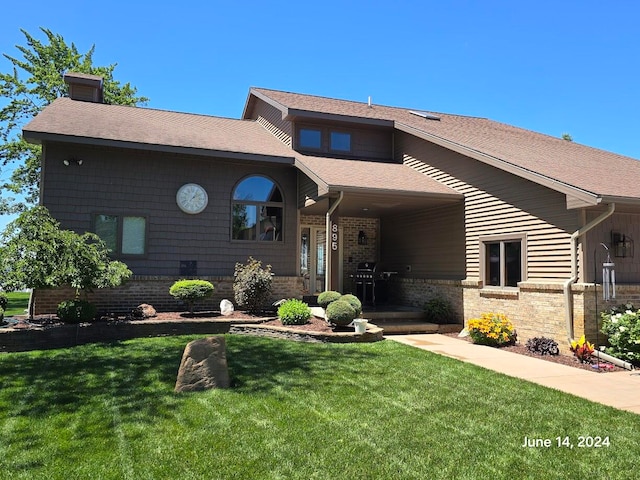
(568, 360)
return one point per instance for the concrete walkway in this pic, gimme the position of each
(619, 390)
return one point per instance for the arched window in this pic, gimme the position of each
(257, 210)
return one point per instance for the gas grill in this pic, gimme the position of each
(365, 280)
(371, 284)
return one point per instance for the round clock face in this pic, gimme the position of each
(192, 198)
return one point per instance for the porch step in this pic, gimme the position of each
(399, 326)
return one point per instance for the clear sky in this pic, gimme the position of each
(552, 66)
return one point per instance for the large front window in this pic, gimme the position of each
(503, 262)
(257, 210)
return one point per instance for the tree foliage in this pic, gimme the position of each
(36, 253)
(35, 81)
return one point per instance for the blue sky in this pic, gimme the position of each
(549, 66)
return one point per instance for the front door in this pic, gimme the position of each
(313, 259)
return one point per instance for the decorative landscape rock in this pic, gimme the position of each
(226, 307)
(143, 311)
(203, 366)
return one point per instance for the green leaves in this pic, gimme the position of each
(35, 253)
(34, 82)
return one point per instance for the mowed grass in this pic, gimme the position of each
(295, 411)
(18, 303)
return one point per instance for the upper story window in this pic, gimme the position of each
(340, 141)
(504, 261)
(257, 210)
(310, 138)
(122, 235)
(324, 139)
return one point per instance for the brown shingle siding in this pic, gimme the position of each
(75, 193)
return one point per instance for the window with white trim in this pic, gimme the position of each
(503, 261)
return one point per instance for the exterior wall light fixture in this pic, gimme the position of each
(622, 245)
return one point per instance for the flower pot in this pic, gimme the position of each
(360, 325)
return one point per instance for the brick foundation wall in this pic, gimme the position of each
(536, 308)
(155, 291)
(415, 292)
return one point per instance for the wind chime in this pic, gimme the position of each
(608, 278)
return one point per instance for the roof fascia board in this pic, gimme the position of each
(386, 191)
(606, 199)
(548, 182)
(294, 114)
(264, 98)
(36, 137)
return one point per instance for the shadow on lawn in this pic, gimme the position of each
(137, 377)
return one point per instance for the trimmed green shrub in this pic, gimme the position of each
(76, 311)
(191, 291)
(340, 313)
(4, 301)
(294, 312)
(1, 314)
(438, 310)
(543, 346)
(354, 302)
(252, 285)
(325, 298)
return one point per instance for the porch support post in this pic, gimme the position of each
(331, 278)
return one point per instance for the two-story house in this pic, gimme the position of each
(488, 216)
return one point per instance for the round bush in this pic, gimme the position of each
(76, 311)
(340, 313)
(4, 301)
(354, 302)
(190, 291)
(294, 312)
(1, 314)
(325, 298)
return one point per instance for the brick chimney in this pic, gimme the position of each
(84, 87)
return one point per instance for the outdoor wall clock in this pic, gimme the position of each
(192, 198)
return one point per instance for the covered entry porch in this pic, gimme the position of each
(384, 214)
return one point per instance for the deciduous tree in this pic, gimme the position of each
(36, 253)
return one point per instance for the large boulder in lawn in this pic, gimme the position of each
(203, 366)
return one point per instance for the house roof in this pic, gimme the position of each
(124, 126)
(578, 170)
(134, 127)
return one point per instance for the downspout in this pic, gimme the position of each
(327, 273)
(568, 298)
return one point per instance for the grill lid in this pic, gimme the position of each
(367, 267)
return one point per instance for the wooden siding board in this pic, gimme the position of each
(128, 182)
(497, 202)
(271, 119)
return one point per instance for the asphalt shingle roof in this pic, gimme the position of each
(586, 168)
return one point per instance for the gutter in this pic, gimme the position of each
(568, 298)
(327, 273)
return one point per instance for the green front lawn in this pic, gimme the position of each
(295, 411)
(18, 303)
